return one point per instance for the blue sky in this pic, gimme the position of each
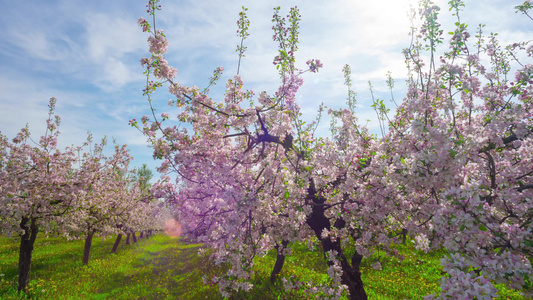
(86, 54)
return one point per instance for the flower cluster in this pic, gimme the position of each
(462, 285)
(144, 24)
(158, 43)
(314, 65)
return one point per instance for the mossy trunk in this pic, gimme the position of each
(27, 240)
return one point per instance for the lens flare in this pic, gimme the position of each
(172, 228)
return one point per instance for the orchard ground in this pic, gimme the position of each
(163, 267)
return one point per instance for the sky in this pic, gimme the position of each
(87, 53)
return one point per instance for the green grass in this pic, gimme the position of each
(155, 268)
(164, 268)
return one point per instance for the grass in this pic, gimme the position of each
(155, 268)
(161, 267)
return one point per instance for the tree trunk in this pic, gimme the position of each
(404, 235)
(141, 236)
(117, 242)
(352, 275)
(134, 237)
(317, 220)
(87, 249)
(280, 260)
(128, 238)
(27, 241)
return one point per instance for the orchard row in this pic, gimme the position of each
(76, 192)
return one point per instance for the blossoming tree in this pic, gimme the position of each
(42, 189)
(462, 154)
(454, 168)
(37, 188)
(104, 196)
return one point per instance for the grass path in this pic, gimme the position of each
(165, 268)
(154, 268)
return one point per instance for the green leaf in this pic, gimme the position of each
(403, 160)
(482, 227)
(528, 243)
(452, 153)
(462, 227)
(287, 194)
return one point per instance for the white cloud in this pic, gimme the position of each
(36, 44)
(112, 35)
(110, 38)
